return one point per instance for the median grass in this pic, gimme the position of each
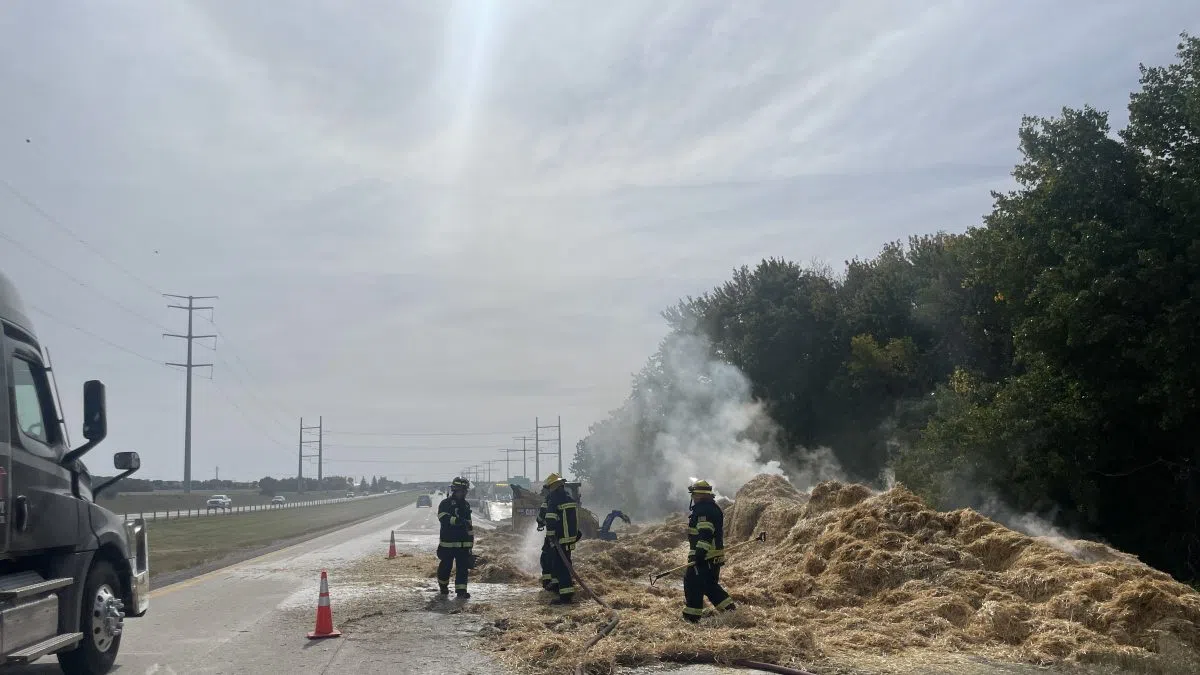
(188, 543)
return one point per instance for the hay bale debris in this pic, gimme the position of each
(846, 570)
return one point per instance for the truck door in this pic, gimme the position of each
(6, 431)
(43, 511)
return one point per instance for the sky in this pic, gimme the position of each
(429, 223)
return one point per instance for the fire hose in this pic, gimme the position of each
(615, 618)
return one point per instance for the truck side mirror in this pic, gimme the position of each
(127, 461)
(95, 414)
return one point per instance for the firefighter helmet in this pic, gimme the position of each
(460, 482)
(553, 480)
(701, 487)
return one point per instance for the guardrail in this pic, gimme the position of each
(151, 516)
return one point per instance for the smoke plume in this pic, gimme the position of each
(690, 415)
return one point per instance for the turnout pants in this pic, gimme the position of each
(549, 555)
(460, 560)
(703, 580)
(562, 575)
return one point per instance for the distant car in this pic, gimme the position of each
(349, 494)
(222, 502)
(424, 500)
(278, 499)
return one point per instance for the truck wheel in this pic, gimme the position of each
(101, 621)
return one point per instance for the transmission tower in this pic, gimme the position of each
(191, 308)
(320, 429)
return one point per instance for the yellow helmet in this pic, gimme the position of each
(553, 480)
(701, 487)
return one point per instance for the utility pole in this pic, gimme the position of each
(537, 430)
(508, 454)
(188, 367)
(302, 456)
(524, 449)
(537, 452)
(507, 470)
(489, 463)
(218, 474)
(321, 449)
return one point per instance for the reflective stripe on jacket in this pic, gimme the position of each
(562, 517)
(706, 531)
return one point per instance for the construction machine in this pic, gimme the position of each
(526, 503)
(605, 533)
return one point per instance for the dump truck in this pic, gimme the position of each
(71, 571)
(526, 503)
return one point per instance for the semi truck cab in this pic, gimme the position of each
(71, 571)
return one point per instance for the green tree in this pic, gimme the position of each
(1096, 261)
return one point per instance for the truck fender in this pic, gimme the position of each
(70, 598)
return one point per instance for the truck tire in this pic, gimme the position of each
(97, 651)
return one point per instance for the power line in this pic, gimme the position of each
(36, 208)
(89, 333)
(249, 420)
(419, 434)
(35, 255)
(268, 409)
(401, 461)
(237, 359)
(412, 447)
(51, 219)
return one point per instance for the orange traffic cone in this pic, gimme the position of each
(392, 546)
(324, 628)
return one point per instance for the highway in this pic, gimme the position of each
(253, 617)
(198, 513)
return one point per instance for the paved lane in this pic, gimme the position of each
(252, 617)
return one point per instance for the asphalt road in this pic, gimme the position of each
(253, 617)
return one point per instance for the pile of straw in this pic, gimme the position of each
(848, 571)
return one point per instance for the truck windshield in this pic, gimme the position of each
(29, 405)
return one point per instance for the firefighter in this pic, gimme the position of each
(706, 554)
(548, 553)
(562, 527)
(457, 539)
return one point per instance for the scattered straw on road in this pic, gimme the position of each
(846, 571)
(846, 576)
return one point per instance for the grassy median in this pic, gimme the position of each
(188, 543)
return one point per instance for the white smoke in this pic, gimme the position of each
(691, 416)
(710, 420)
(529, 555)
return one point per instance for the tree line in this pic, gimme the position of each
(1048, 358)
